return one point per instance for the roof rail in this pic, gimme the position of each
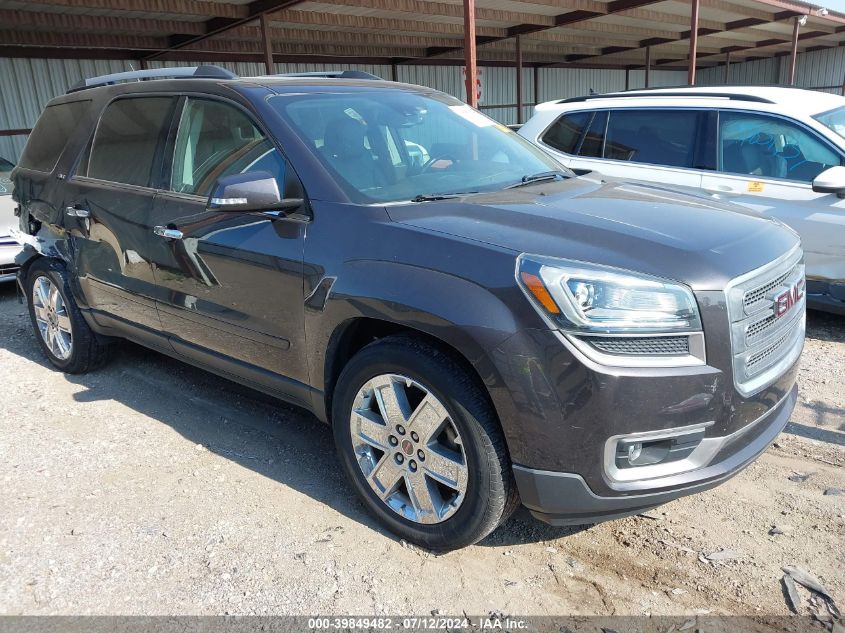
(334, 74)
(647, 93)
(196, 72)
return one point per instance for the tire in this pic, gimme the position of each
(409, 496)
(61, 331)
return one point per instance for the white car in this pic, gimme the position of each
(780, 151)
(9, 248)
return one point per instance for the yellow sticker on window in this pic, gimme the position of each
(755, 186)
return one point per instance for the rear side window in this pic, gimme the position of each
(128, 140)
(51, 134)
(657, 137)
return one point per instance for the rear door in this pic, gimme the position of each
(768, 163)
(229, 284)
(108, 205)
(654, 145)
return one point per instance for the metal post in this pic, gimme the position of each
(627, 79)
(843, 86)
(469, 52)
(727, 67)
(693, 42)
(394, 72)
(536, 85)
(268, 45)
(795, 27)
(518, 79)
(647, 64)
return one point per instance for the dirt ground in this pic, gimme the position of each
(150, 487)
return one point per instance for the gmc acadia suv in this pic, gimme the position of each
(479, 326)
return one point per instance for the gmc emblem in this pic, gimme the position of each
(788, 298)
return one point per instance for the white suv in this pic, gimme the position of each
(779, 151)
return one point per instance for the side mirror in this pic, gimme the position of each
(831, 180)
(254, 191)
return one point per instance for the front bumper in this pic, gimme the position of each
(8, 267)
(566, 499)
(826, 296)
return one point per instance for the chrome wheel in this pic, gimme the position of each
(408, 449)
(52, 318)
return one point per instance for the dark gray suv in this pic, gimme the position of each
(479, 326)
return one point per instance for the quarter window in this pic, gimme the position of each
(51, 134)
(657, 137)
(770, 147)
(215, 140)
(565, 133)
(128, 137)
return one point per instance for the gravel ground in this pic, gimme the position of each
(150, 487)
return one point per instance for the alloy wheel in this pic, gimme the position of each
(52, 317)
(409, 449)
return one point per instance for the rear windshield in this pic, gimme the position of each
(51, 133)
(394, 145)
(835, 120)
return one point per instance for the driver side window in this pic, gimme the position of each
(214, 140)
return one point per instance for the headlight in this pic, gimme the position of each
(587, 298)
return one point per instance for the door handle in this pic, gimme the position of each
(722, 189)
(77, 212)
(170, 234)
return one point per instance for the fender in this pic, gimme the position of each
(464, 315)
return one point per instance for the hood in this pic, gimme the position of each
(639, 227)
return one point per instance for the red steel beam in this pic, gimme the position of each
(469, 52)
(693, 41)
(794, 53)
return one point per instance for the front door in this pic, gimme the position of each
(768, 163)
(108, 206)
(229, 285)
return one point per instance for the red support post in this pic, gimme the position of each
(795, 26)
(647, 64)
(469, 53)
(693, 41)
(519, 105)
(727, 67)
(268, 45)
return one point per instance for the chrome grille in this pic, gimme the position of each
(767, 339)
(641, 345)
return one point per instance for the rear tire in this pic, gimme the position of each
(434, 469)
(64, 336)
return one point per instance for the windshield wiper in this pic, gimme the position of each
(543, 175)
(440, 196)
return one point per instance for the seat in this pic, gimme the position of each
(344, 147)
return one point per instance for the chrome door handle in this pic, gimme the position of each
(170, 234)
(77, 212)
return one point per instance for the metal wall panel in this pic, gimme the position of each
(26, 85)
(759, 72)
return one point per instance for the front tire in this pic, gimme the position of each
(422, 445)
(64, 336)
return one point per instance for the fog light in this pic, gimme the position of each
(634, 451)
(642, 452)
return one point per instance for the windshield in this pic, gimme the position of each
(835, 120)
(393, 145)
(6, 177)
